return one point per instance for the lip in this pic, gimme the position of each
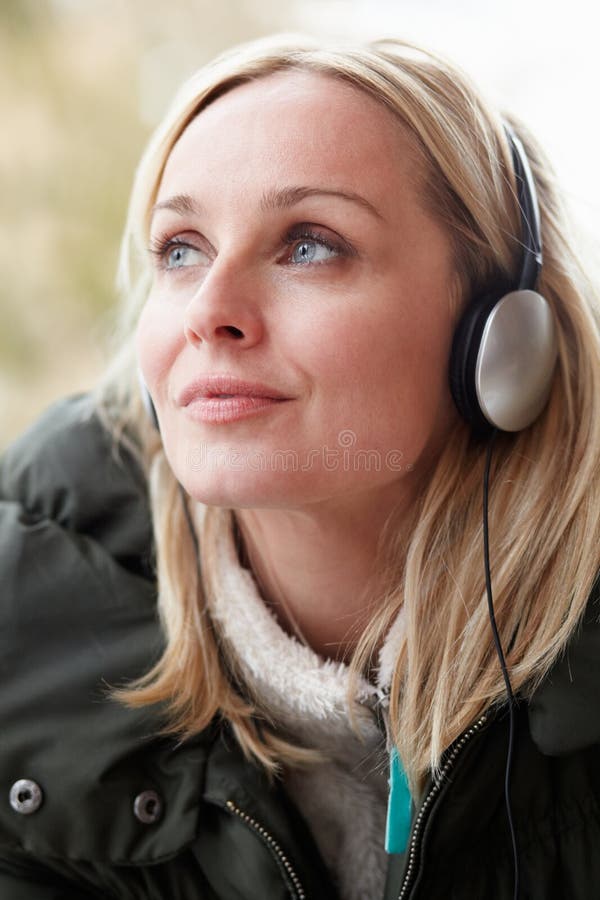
(204, 401)
(210, 387)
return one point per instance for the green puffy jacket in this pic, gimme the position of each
(93, 804)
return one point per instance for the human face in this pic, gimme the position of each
(263, 270)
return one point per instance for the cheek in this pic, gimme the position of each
(157, 342)
(375, 349)
(382, 369)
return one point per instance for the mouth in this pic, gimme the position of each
(222, 399)
(227, 387)
(221, 409)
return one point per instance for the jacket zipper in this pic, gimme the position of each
(275, 848)
(414, 849)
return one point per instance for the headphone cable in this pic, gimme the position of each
(500, 653)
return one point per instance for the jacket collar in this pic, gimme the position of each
(246, 798)
(564, 713)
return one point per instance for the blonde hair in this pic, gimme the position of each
(545, 493)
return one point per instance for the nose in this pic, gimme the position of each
(224, 308)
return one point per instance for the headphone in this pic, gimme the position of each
(504, 348)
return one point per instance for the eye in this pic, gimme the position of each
(182, 255)
(310, 246)
(310, 250)
(174, 253)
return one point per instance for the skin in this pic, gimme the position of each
(358, 336)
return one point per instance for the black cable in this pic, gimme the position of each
(499, 651)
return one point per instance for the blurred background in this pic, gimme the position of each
(83, 82)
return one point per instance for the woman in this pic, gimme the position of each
(308, 228)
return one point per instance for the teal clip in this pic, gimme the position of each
(397, 827)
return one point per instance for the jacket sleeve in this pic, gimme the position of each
(35, 883)
(77, 616)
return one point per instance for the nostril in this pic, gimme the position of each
(234, 331)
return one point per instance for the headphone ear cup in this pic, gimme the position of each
(463, 361)
(503, 357)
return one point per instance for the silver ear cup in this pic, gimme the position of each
(516, 359)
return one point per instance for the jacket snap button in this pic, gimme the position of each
(26, 796)
(147, 807)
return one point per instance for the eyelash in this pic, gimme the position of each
(161, 245)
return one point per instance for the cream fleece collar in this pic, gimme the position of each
(305, 693)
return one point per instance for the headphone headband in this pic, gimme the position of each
(530, 214)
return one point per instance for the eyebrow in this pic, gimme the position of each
(179, 203)
(283, 198)
(276, 198)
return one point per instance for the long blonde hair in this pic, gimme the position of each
(545, 491)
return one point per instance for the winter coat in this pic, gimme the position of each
(93, 804)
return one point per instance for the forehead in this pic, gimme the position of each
(299, 123)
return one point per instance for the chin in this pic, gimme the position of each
(220, 489)
(249, 490)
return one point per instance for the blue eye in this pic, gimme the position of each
(310, 250)
(309, 246)
(175, 254)
(180, 255)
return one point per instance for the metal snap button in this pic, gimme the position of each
(26, 796)
(147, 807)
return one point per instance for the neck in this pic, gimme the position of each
(316, 567)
